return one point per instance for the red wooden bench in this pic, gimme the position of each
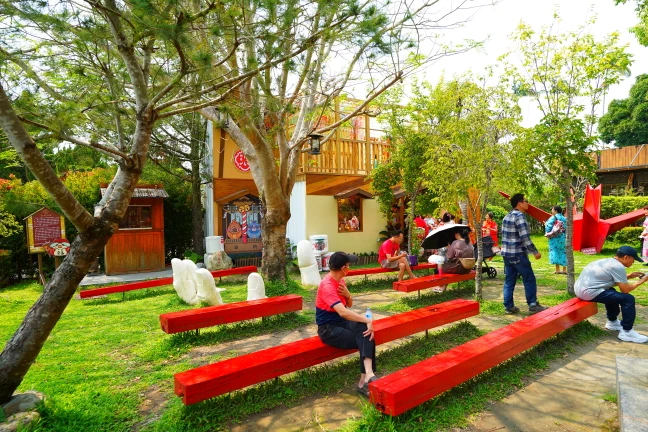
(377, 270)
(157, 282)
(417, 284)
(212, 380)
(402, 390)
(194, 319)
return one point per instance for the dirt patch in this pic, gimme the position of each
(151, 407)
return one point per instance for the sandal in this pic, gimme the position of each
(364, 390)
(440, 289)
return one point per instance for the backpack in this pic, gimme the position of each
(557, 229)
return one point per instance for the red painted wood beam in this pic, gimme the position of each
(193, 319)
(405, 389)
(212, 380)
(424, 282)
(376, 270)
(157, 282)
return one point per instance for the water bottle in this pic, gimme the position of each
(368, 314)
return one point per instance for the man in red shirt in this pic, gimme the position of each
(390, 256)
(339, 326)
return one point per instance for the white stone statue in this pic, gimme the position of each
(184, 281)
(256, 287)
(206, 288)
(307, 264)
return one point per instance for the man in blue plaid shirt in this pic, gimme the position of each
(516, 244)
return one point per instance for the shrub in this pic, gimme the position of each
(628, 236)
(498, 213)
(616, 206)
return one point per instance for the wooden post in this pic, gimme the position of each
(368, 166)
(57, 262)
(41, 275)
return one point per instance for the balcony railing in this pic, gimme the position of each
(346, 156)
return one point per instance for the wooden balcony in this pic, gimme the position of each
(346, 157)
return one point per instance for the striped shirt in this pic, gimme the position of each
(515, 235)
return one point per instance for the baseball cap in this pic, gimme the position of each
(630, 251)
(340, 259)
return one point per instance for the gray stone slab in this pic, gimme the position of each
(632, 392)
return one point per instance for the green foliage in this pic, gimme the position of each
(193, 256)
(498, 213)
(628, 236)
(612, 206)
(626, 121)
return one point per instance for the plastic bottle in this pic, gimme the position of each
(368, 314)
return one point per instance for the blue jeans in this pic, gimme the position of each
(616, 302)
(514, 266)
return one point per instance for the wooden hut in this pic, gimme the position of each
(138, 245)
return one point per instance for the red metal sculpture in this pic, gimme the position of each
(590, 230)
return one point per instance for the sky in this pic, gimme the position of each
(495, 23)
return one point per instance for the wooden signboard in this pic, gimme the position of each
(43, 228)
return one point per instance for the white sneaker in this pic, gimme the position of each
(632, 336)
(613, 325)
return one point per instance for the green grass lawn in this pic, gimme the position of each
(105, 356)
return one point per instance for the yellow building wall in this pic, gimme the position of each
(223, 150)
(321, 218)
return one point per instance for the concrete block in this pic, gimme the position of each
(632, 392)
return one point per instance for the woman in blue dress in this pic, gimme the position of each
(557, 253)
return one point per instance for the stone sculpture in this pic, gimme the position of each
(256, 287)
(208, 292)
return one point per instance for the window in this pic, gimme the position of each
(136, 217)
(350, 214)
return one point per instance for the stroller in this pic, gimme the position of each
(487, 248)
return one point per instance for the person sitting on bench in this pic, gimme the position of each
(596, 284)
(339, 326)
(458, 249)
(391, 257)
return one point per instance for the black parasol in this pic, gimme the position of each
(442, 236)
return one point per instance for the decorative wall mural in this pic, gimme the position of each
(240, 161)
(242, 219)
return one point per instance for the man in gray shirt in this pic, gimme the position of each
(597, 281)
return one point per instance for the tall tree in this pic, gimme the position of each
(178, 148)
(567, 75)
(407, 160)
(100, 74)
(469, 125)
(373, 44)
(626, 121)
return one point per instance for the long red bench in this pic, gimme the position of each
(212, 380)
(194, 319)
(377, 270)
(157, 282)
(402, 390)
(424, 282)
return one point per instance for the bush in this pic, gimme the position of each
(616, 206)
(628, 236)
(498, 213)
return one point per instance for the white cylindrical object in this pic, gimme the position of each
(319, 242)
(214, 244)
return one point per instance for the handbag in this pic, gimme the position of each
(557, 229)
(467, 263)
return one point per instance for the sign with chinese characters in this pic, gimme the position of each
(44, 228)
(241, 162)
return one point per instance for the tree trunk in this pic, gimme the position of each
(410, 234)
(569, 247)
(274, 220)
(197, 214)
(480, 256)
(23, 348)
